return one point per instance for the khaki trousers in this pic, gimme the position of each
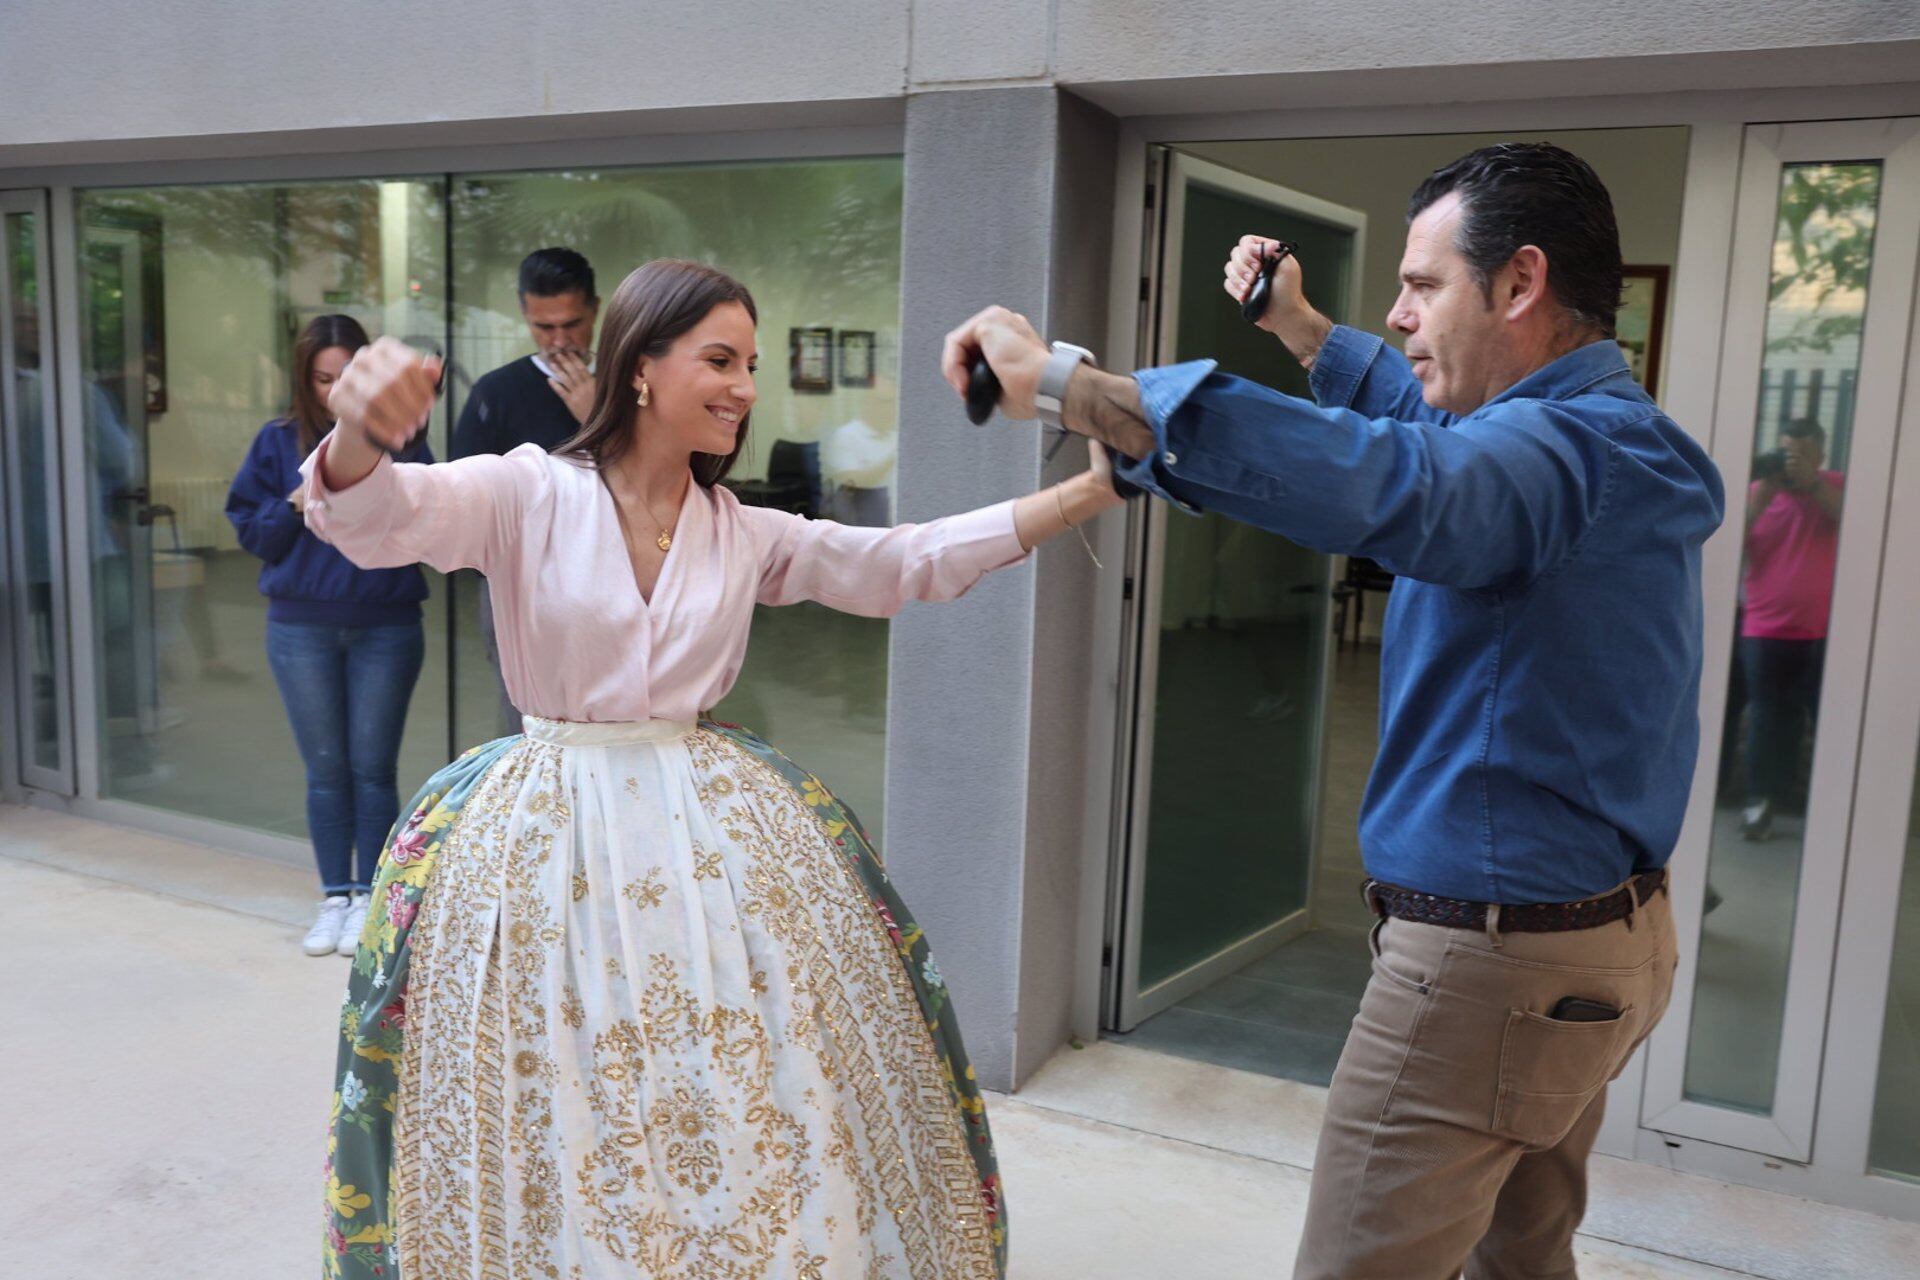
(1461, 1113)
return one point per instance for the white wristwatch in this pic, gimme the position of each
(1049, 399)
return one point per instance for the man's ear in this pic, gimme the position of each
(1522, 288)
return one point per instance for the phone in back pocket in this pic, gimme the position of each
(1581, 1009)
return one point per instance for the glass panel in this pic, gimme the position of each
(1243, 628)
(1895, 1143)
(818, 243)
(31, 434)
(1822, 250)
(192, 299)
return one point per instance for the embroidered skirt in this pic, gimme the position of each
(637, 1000)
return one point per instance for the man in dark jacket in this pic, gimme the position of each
(538, 399)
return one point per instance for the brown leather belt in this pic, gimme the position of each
(1535, 917)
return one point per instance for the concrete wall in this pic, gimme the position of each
(72, 89)
(1120, 40)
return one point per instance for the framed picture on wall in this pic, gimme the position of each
(1642, 322)
(856, 357)
(811, 364)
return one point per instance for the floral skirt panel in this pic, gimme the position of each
(638, 1000)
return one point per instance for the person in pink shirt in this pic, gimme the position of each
(1793, 545)
(636, 998)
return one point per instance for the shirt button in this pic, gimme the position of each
(1172, 457)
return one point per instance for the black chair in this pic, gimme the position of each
(1362, 576)
(792, 483)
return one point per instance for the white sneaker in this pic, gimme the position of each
(350, 927)
(324, 938)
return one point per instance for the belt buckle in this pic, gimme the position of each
(1369, 894)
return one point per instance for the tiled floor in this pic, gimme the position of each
(1286, 1014)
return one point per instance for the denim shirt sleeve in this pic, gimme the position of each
(1359, 371)
(1162, 391)
(1475, 503)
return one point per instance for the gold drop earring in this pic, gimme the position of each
(646, 394)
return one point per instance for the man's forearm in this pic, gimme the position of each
(1106, 406)
(1303, 334)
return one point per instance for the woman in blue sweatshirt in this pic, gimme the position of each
(345, 644)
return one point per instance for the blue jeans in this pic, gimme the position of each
(346, 691)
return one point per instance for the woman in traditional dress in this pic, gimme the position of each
(636, 998)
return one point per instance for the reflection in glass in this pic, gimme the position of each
(1822, 252)
(818, 243)
(37, 485)
(1895, 1144)
(191, 299)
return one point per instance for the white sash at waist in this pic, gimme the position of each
(611, 733)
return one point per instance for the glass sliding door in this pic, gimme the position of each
(1869, 1117)
(1234, 638)
(38, 699)
(1807, 432)
(1791, 525)
(191, 299)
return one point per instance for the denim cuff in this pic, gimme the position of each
(1340, 365)
(1162, 392)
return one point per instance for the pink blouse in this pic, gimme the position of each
(577, 640)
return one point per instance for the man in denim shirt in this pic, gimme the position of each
(1539, 681)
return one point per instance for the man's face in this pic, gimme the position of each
(1804, 454)
(1454, 334)
(560, 323)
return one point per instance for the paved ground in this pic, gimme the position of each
(168, 1052)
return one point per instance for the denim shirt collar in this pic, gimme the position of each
(1574, 372)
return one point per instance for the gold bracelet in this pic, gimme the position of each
(1060, 503)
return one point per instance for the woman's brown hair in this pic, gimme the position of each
(653, 307)
(309, 414)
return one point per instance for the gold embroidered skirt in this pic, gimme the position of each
(657, 1028)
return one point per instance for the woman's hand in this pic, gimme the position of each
(1100, 466)
(386, 392)
(383, 398)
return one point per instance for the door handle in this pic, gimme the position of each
(145, 512)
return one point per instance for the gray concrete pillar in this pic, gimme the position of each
(1008, 200)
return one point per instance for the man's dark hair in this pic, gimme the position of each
(1533, 193)
(1805, 429)
(549, 273)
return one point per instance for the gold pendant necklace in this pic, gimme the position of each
(665, 540)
